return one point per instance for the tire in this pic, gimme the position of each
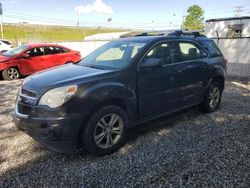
(99, 137)
(212, 98)
(11, 73)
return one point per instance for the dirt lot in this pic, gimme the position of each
(190, 149)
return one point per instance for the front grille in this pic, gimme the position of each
(28, 93)
(24, 109)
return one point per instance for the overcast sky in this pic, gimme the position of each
(129, 13)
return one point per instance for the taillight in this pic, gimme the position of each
(225, 61)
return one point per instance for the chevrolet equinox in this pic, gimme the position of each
(93, 104)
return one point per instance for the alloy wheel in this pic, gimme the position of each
(13, 73)
(214, 97)
(108, 131)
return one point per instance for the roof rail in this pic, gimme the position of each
(179, 33)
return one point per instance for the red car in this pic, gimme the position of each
(30, 58)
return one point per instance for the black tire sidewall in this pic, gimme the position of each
(88, 142)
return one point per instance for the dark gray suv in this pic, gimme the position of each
(94, 104)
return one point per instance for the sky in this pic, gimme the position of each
(134, 14)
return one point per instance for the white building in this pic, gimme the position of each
(91, 43)
(233, 37)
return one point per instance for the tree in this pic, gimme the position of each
(194, 19)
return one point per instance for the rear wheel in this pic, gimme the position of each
(11, 73)
(106, 131)
(212, 98)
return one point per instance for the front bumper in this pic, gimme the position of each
(58, 133)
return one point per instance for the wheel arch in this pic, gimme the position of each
(109, 102)
(219, 79)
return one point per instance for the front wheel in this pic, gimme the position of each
(11, 73)
(212, 98)
(106, 131)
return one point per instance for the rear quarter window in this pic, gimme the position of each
(64, 50)
(212, 48)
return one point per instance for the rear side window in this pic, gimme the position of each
(189, 51)
(52, 50)
(212, 48)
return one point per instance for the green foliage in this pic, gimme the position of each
(39, 33)
(194, 19)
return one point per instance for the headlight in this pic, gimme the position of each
(58, 96)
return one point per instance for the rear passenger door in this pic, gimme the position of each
(192, 73)
(67, 56)
(53, 56)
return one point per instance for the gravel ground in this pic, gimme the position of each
(190, 149)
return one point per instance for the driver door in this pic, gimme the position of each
(157, 85)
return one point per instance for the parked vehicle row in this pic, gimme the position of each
(31, 58)
(94, 103)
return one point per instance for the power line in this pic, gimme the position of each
(31, 17)
(238, 10)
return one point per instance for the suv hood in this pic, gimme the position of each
(62, 76)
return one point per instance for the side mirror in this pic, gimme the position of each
(25, 56)
(151, 62)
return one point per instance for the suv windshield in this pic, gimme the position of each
(114, 55)
(16, 51)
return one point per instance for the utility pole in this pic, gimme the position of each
(1, 14)
(238, 10)
(78, 18)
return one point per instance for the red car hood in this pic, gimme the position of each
(4, 58)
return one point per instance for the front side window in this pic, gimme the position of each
(113, 55)
(161, 51)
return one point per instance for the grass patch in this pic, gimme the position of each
(40, 33)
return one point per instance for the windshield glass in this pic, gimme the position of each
(114, 55)
(16, 51)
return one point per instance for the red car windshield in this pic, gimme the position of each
(15, 51)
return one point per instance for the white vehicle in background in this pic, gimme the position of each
(4, 45)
